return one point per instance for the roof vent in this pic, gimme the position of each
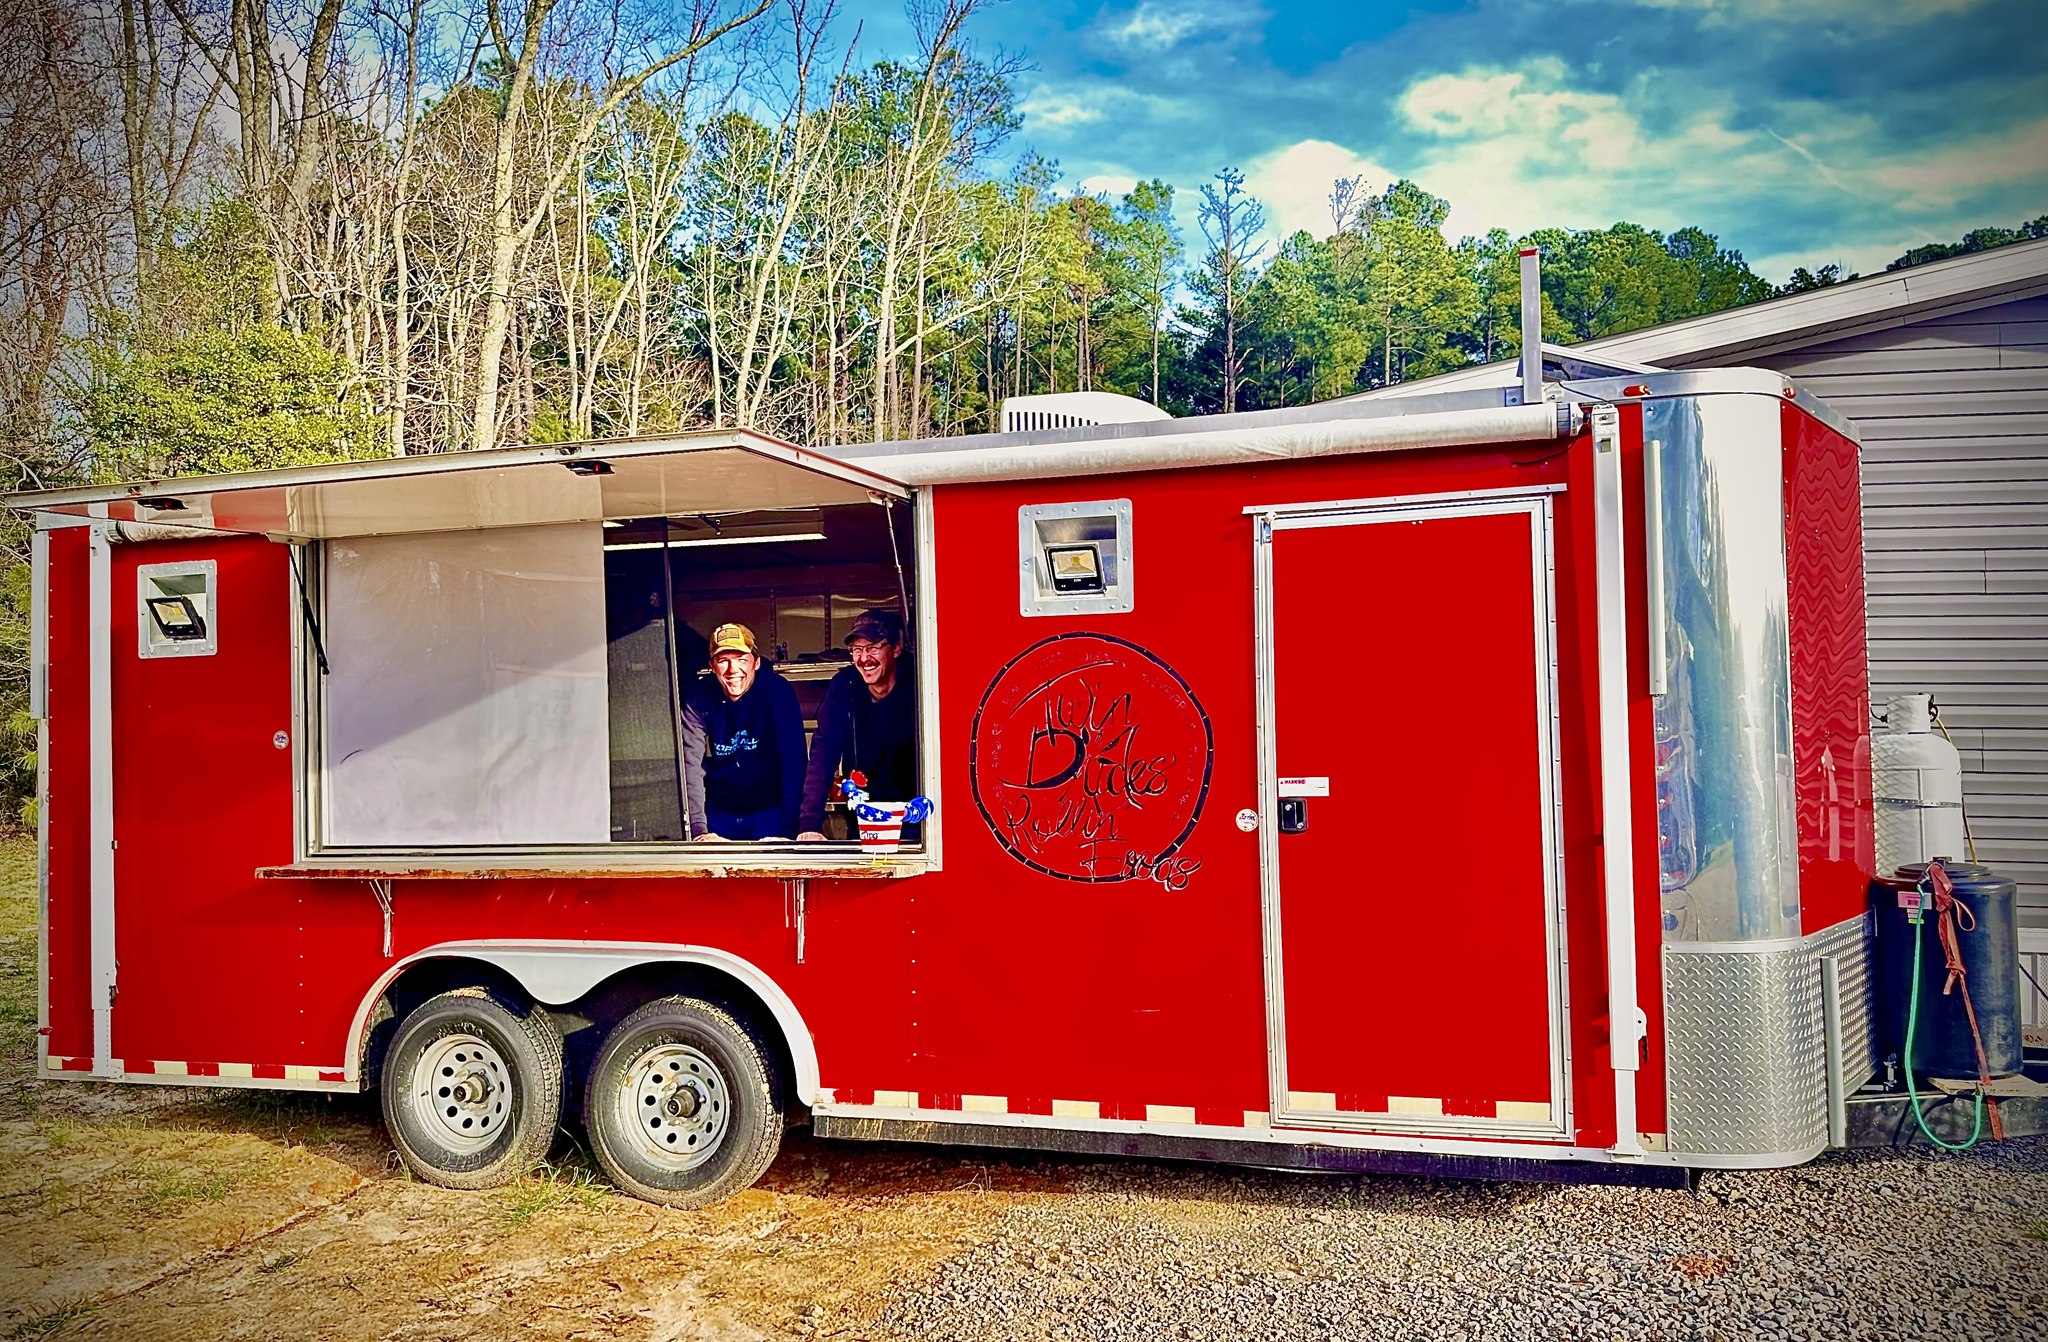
(1071, 409)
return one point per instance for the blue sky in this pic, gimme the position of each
(1800, 131)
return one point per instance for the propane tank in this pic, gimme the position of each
(1918, 780)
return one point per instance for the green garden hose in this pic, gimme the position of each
(1913, 1023)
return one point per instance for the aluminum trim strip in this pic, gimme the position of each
(1275, 1136)
(1263, 715)
(1617, 811)
(1831, 1027)
(100, 747)
(1770, 947)
(39, 625)
(924, 554)
(1391, 500)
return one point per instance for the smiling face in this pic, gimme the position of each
(734, 671)
(876, 663)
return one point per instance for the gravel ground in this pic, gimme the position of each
(1852, 1246)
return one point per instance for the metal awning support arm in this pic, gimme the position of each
(795, 893)
(381, 889)
(312, 620)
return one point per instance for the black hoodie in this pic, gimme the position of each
(743, 755)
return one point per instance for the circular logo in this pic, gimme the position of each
(1090, 761)
(1247, 820)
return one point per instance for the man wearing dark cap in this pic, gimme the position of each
(743, 745)
(867, 722)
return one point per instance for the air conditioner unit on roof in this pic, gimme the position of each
(1069, 409)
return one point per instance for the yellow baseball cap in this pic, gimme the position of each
(733, 638)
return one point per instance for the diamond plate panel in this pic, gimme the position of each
(1747, 1066)
(1848, 943)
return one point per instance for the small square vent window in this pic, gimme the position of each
(1075, 558)
(175, 615)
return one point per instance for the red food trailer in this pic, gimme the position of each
(1454, 785)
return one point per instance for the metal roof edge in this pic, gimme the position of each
(1757, 330)
(432, 463)
(1892, 297)
(1319, 412)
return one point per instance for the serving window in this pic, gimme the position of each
(524, 687)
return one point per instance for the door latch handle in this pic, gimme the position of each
(1293, 815)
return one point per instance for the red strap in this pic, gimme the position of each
(1945, 906)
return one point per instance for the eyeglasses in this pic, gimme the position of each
(867, 652)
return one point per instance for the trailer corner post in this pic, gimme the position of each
(100, 714)
(1532, 325)
(1624, 1014)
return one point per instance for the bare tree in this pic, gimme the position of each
(520, 52)
(1231, 221)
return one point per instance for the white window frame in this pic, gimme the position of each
(736, 858)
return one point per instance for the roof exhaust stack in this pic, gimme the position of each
(1532, 325)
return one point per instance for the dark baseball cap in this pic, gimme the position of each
(877, 626)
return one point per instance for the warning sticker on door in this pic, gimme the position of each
(1305, 787)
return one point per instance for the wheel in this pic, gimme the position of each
(680, 1107)
(472, 1088)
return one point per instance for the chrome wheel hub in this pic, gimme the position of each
(675, 1099)
(462, 1091)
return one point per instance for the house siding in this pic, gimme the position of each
(1953, 413)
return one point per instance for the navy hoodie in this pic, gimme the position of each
(743, 755)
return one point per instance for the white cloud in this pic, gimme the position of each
(1046, 107)
(1940, 178)
(1294, 184)
(1085, 102)
(1529, 146)
(1155, 26)
(1890, 13)
(1111, 184)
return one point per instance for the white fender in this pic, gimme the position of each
(558, 972)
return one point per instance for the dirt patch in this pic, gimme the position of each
(177, 1212)
(92, 1213)
(129, 1230)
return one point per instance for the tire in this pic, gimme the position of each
(680, 1107)
(472, 1088)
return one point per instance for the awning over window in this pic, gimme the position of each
(716, 471)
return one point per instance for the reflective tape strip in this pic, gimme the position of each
(1169, 1113)
(985, 1104)
(236, 1070)
(1076, 1109)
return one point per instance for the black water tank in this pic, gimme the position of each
(1991, 957)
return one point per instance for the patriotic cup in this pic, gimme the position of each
(881, 824)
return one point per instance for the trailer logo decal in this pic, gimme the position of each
(1090, 761)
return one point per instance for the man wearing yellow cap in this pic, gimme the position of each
(743, 745)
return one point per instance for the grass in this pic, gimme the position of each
(18, 944)
(551, 1187)
(2037, 1230)
(281, 1262)
(45, 1324)
(171, 1188)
